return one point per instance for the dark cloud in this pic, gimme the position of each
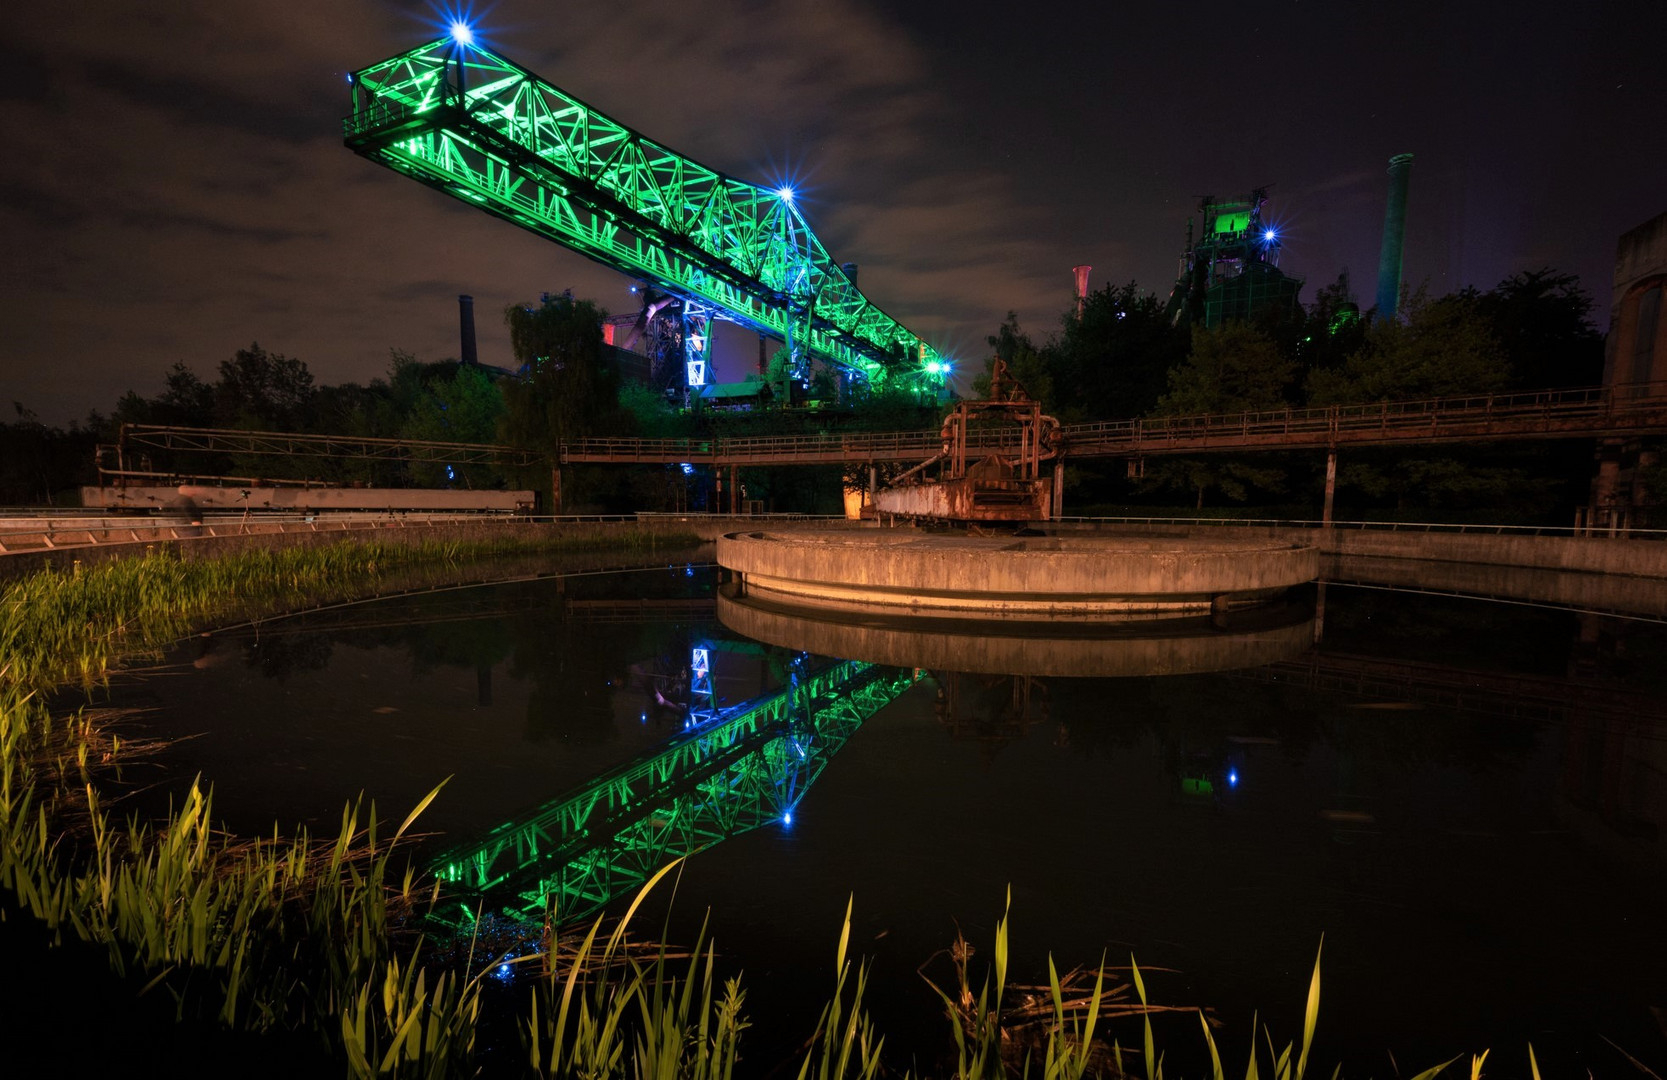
(174, 184)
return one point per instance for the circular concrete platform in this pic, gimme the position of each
(1079, 578)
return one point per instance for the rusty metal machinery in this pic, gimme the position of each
(988, 469)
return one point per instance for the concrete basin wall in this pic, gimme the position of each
(886, 570)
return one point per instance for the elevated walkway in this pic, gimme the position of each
(1592, 412)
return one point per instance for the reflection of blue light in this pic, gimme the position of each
(1233, 778)
(503, 972)
(461, 33)
(451, 474)
(644, 718)
(688, 571)
(688, 469)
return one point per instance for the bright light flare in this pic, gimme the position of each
(461, 33)
(785, 194)
(1270, 236)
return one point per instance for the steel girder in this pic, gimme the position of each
(295, 444)
(487, 131)
(748, 768)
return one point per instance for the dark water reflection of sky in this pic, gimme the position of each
(1485, 859)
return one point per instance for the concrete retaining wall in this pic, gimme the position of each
(1014, 577)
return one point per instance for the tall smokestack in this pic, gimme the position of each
(1394, 236)
(1081, 273)
(466, 327)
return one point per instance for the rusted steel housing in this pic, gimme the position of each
(1000, 485)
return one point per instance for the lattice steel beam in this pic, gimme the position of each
(484, 130)
(293, 444)
(749, 768)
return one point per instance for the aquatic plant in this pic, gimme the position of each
(72, 626)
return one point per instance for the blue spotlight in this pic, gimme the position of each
(1233, 778)
(787, 818)
(1270, 236)
(461, 33)
(785, 194)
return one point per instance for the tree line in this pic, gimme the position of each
(1121, 356)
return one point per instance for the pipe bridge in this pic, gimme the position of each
(1545, 414)
(749, 766)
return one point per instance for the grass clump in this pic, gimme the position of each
(74, 625)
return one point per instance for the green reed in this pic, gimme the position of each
(73, 625)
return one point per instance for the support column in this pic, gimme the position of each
(1330, 485)
(1057, 510)
(718, 498)
(873, 485)
(1319, 612)
(734, 490)
(555, 489)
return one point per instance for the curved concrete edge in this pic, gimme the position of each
(1086, 577)
(1159, 649)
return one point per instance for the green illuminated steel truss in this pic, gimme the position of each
(482, 129)
(748, 768)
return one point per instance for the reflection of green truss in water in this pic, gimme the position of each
(748, 768)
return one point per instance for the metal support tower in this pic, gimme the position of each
(482, 129)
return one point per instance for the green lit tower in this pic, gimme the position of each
(1232, 269)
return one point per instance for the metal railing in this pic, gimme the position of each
(1556, 413)
(1383, 526)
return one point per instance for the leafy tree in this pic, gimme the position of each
(1444, 347)
(1543, 321)
(567, 390)
(463, 406)
(1232, 368)
(261, 391)
(1332, 327)
(1114, 359)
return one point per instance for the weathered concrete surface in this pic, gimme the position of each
(1081, 577)
(1591, 592)
(1152, 647)
(1595, 555)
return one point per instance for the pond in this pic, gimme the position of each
(1465, 797)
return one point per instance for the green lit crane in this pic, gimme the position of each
(478, 127)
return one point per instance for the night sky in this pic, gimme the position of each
(174, 184)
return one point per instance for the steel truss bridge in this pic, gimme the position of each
(139, 437)
(747, 767)
(1549, 414)
(484, 130)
